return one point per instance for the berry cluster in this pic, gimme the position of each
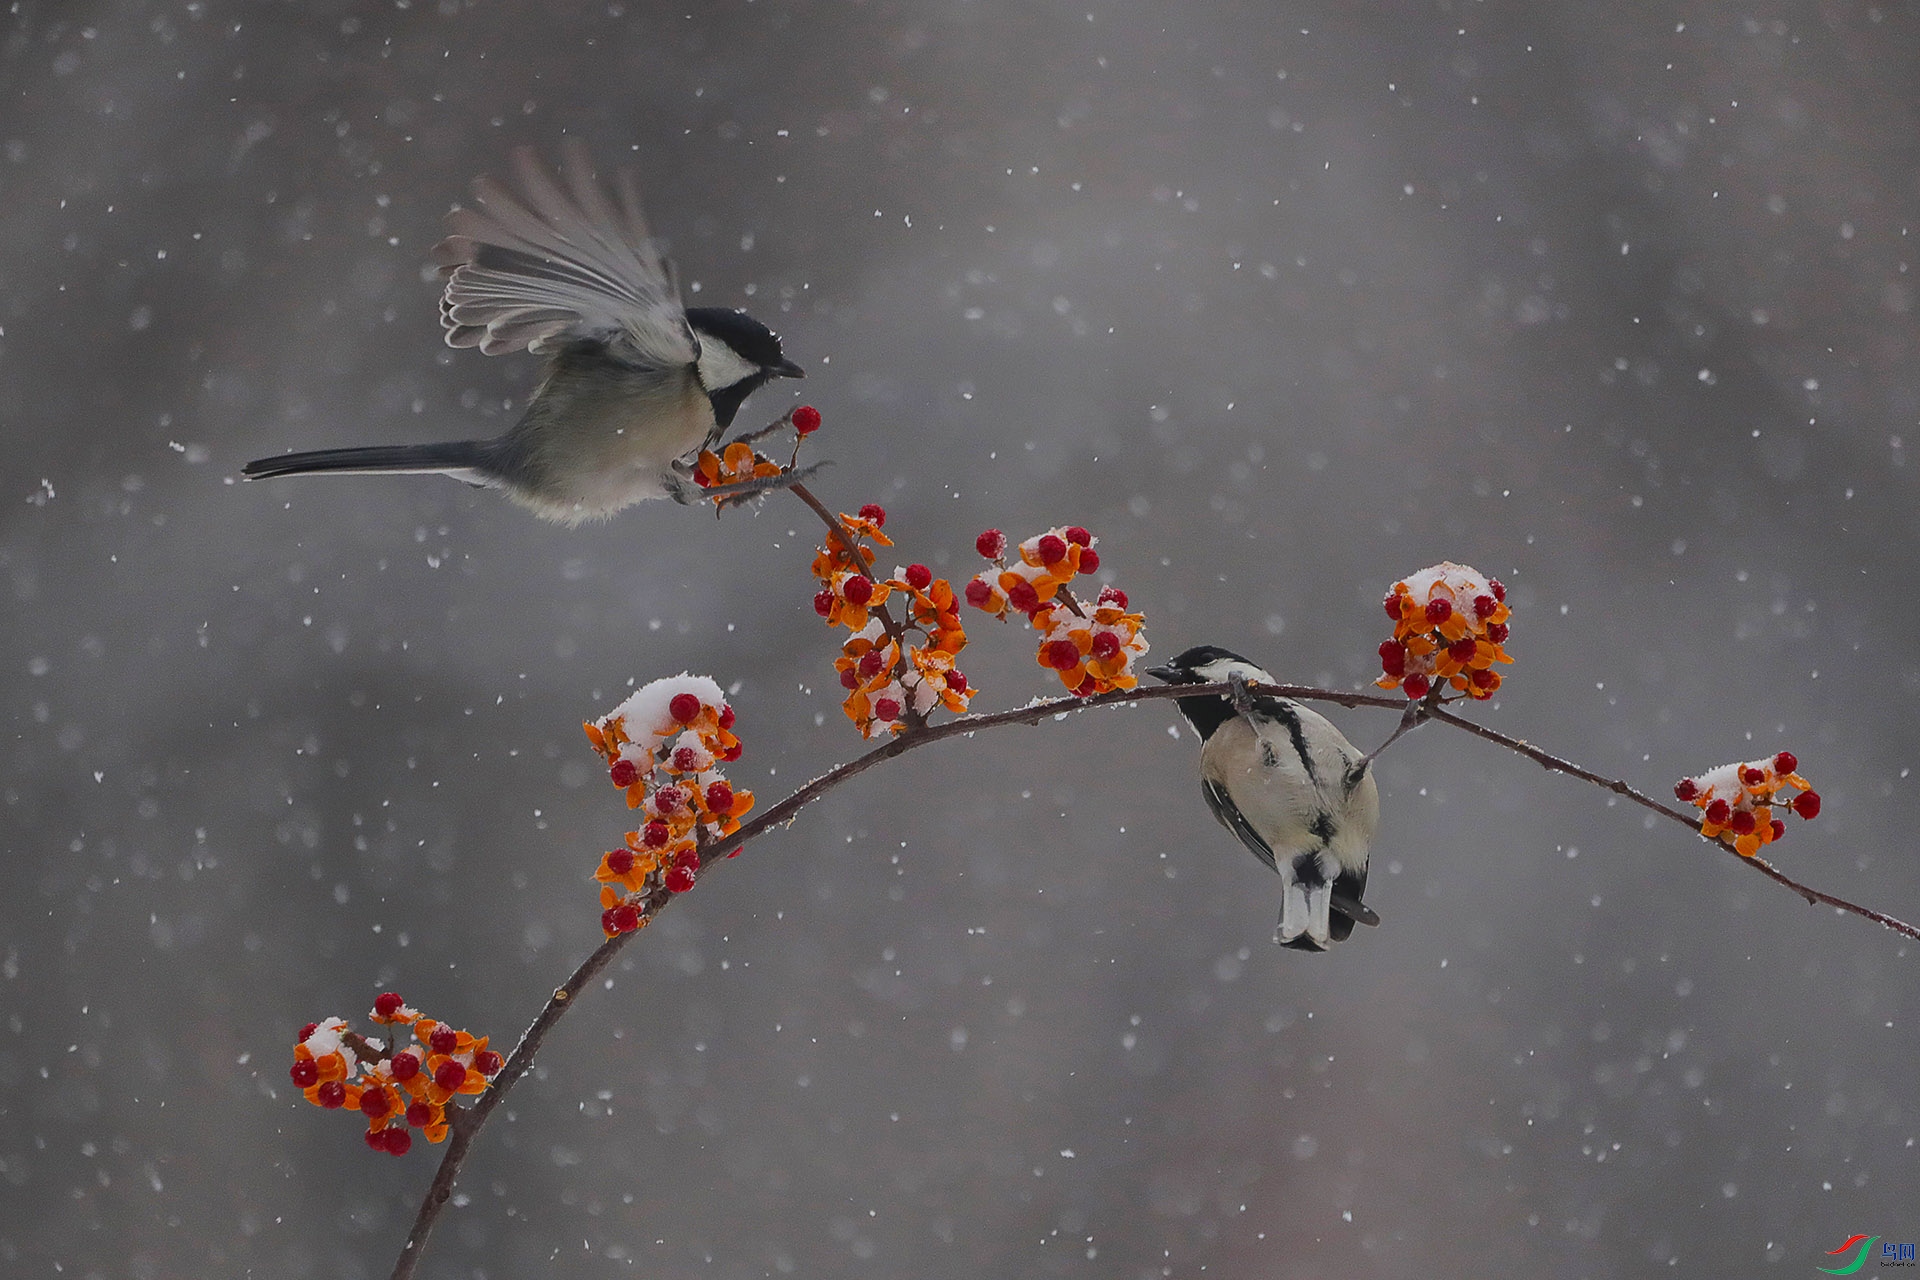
(882, 690)
(398, 1088)
(740, 461)
(1090, 646)
(662, 747)
(1736, 800)
(1449, 623)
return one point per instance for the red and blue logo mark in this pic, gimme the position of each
(1860, 1248)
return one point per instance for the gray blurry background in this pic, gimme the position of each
(1284, 301)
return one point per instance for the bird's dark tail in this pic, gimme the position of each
(462, 459)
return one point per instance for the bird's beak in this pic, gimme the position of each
(786, 369)
(1165, 674)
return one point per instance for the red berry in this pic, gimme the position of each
(679, 880)
(1078, 537)
(1392, 603)
(1499, 632)
(919, 577)
(1023, 597)
(1113, 596)
(979, 593)
(1484, 605)
(405, 1065)
(732, 753)
(398, 1140)
(726, 715)
(872, 663)
(1089, 560)
(1807, 804)
(305, 1072)
(992, 544)
(655, 834)
(387, 1003)
(1416, 686)
(683, 708)
(956, 681)
(1743, 822)
(823, 601)
(624, 773)
(1461, 650)
(887, 710)
(1106, 644)
(1484, 678)
(419, 1114)
(1087, 688)
(806, 419)
(487, 1062)
(850, 678)
(1052, 549)
(450, 1075)
(306, 1031)
(858, 589)
(1718, 812)
(376, 1139)
(1786, 762)
(375, 1103)
(620, 861)
(1393, 658)
(667, 799)
(719, 797)
(1438, 611)
(1779, 828)
(625, 918)
(1685, 789)
(443, 1040)
(1062, 654)
(1499, 588)
(875, 512)
(686, 759)
(332, 1095)
(1752, 777)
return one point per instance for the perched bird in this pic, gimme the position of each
(635, 383)
(1292, 788)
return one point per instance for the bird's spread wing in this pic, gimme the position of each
(1233, 820)
(559, 262)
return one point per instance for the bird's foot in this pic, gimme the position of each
(1242, 700)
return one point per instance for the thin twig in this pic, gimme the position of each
(466, 1123)
(1555, 764)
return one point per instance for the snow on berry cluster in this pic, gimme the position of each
(883, 692)
(663, 746)
(398, 1086)
(1736, 800)
(740, 461)
(1449, 623)
(1090, 646)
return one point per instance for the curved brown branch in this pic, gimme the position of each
(467, 1123)
(1555, 764)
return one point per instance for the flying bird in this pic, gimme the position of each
(635, 384)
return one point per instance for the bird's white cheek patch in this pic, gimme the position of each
(721, 366)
